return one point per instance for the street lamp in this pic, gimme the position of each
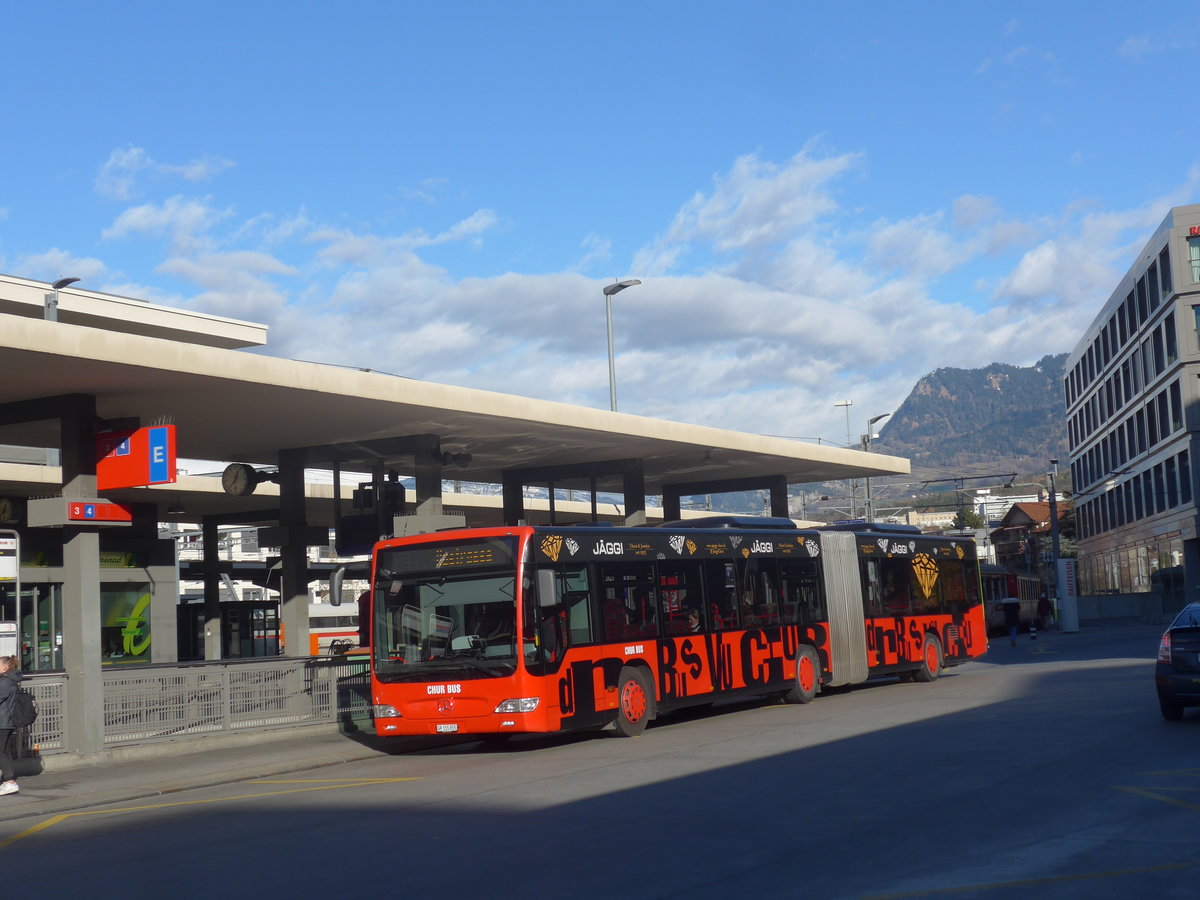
(612, 365)
(866, 445)
(1054, 545)
(51, 300)
(849, 443)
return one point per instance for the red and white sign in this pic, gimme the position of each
(51, 512)
(98, 511)
(135, 457)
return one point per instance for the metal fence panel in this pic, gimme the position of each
(166, 702)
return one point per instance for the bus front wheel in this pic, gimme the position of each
(931, 660)
(634, 702)
(808, 676)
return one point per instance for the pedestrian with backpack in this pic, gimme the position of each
(10, 679)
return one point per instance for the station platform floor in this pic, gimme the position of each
(61, 784)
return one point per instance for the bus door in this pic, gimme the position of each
(843, 596)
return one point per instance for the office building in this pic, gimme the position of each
(1132, 385)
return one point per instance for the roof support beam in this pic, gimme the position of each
(631, 472)
(776, 485)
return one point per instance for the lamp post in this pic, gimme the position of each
(51, 300)
(609, 290)
(866, 445)
(1054, 545)
(846, 404)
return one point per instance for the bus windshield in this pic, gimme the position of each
(446, 611)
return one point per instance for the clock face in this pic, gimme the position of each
(239, 479)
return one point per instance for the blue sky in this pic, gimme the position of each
(823, 201)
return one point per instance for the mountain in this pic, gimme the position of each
(1006, 418)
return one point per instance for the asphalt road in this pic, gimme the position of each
(1044, 770)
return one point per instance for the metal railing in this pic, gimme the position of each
(169, 702)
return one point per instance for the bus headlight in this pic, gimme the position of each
(383, 711)
(519, 705)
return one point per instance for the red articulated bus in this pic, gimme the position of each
(494, 631)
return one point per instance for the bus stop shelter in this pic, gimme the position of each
(102, 360)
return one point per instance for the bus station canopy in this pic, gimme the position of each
(230, 402)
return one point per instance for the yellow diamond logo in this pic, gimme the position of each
(552, 546)
(926, 570)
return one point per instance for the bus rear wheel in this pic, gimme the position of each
(931, 660)
(634, 704)
(808, 676)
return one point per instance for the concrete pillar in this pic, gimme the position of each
(633, 481)
(779, 497)
(427, 469)
(513, 492)
(210, 534)
(84, 707)
(671, 507)
(294, 553)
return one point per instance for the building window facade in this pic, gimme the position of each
(1129, 386)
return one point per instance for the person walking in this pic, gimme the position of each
(10, 677)
(1045, 612)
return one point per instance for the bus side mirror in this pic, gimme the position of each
(336, 577)
(545, 588)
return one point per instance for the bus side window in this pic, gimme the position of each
(872, 589)
(720, 592)
(680, 595)
(802, 604)
(897, 574)
(628, 605)
(573, 592)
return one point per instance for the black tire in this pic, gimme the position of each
(635, 702)
(1171, 711)
(808, 676)
(931, 660)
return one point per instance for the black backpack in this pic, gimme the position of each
(23, 710)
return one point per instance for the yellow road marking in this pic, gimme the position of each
(1165, 798)
(315, 784)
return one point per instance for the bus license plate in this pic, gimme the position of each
(447, 729)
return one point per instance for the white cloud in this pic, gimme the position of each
(916, 246)
(756, 205)
(184, 219)
(763, 298)
(119, 175)
(596, 250)
(792, 320)
(54, 264)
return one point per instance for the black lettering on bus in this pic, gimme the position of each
(916, 636)
(668, 678)
(791, 641)
(691, 659)
(566, 696)
(775, 644)
(720, 662)
(754, 670)
(583, 697)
